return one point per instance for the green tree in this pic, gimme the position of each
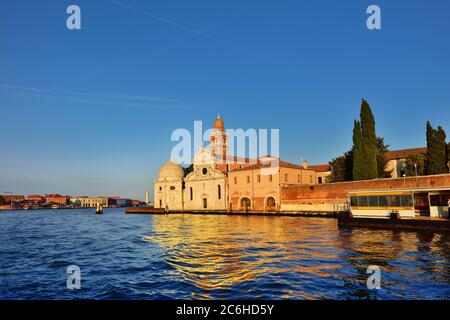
(370, 141)
(410, 164)
(2, 200)
(436, 162)
(382, 161)
(358, 153)
(341, 168)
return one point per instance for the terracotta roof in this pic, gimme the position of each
(401, 154)
(281, 163)
(320, 167)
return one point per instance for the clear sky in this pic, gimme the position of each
(91, 111)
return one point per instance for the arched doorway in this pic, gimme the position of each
(271, 204)
(246, 204)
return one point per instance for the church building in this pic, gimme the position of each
(217, 181)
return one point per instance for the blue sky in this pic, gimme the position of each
(92, 111)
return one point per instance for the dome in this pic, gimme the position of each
(202, 157)
(171, 170)
(218, 124)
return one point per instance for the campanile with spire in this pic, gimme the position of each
(219, 141)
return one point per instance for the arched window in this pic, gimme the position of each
(270, 204)
(246, 204)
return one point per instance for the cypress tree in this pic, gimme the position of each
(382, 162)
(370, 141)
(358, 153)
(442, 150)
(436, 150)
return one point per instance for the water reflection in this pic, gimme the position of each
(290, 257)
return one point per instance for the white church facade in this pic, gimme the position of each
(202, 189)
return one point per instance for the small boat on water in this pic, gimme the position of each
(99, 209)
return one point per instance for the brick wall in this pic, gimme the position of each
(327, 193)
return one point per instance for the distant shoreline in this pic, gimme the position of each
(56, 209)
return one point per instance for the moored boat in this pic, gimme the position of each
(414, 208)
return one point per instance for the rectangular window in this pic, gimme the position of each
(354, 201)
(383, 201)
(270, 178)
(373, 201)
(160, 203)
(406, 201)
(319, 180)
(205, 203)
(259, 178)
(235, 180)
(362, 201)
(219, 192)
(299, 179)
(248, 179)
(393, 201)
(285, 177)
(192, 194)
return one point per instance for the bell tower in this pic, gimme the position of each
(219, 141)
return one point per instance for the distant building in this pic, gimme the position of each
(396, 160)
(57, 199)
(89, 202)
(35, 199)
(124, 203)
(14, 198)
(322, 172)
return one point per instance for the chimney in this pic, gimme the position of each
(305, 164)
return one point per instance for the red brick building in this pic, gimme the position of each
(57, 199)
(35, 199)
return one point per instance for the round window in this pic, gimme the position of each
(204, 171)
(172, 188)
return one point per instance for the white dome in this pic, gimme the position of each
(170, 171)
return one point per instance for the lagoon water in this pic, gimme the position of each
(213, 257)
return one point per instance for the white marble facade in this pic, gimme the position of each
(203, 189)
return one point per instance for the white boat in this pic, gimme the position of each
(407, 203)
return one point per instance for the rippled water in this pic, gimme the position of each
(213, 256)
